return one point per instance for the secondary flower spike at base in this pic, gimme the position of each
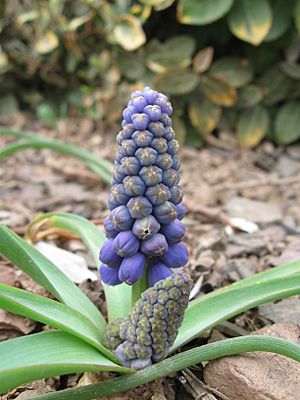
(145, 201)
(151, 329)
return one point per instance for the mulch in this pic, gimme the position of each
(222, 182)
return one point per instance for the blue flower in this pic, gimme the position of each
(174, 231)
(108, 254)
(121, 219)
(154, 246)
(145, 202)
(139, 207)
(176, 256)
(132, 268)
(109, 275)
(145, 227)
(165, 213)
(157, 272)
(125, 244)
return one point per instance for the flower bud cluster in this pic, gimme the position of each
(152, 327)
(144, 225)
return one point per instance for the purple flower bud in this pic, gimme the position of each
(154, 112)
(125, 244)
(129, 147)
(128, 112)
(119, 154)
(173, 147)
(158, 194)
(160, 145)
(164, 105)
(139, 103)
(109, 276)
(119, 173)
(121, 219)
(140, 121)
(125, 133)
(154, 246)
(157, 128)
(123, 123)
(181, 210)
(108, 255)
(157, 272)
(176, 256)
(112, 203)
(174, 231)
(134, 186)
(151, 175)
(139, 207)
(146, 156)
(162, 96)
(110, 231)
(170, 177)
(150, 95)
(135, 94)
(164, 161)
(176, 162)
(169, 133)
(176, 194)
(130, 165)
(121, 356)
(132, 268)
(166, 120)
(118, 194)
(165, 213)
(140, 363)
(146, 227)
(142, 138)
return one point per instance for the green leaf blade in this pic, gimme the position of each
(51, 312)
(99, 165)
(206, 312)
(46, 354)
(118, 297)
(43, 271)
(178, 362)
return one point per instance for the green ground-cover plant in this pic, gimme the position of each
(148, 312)
(76, 344)
(228, 64)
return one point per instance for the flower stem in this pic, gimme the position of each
(176, 363)
(139, 287)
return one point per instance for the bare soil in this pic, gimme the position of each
(221, 182)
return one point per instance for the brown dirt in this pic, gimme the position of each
(216, 181)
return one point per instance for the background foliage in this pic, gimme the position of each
(229, 64)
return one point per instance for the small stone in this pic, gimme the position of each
(258, 375)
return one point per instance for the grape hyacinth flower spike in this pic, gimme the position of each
(146, 336)
(144, 228)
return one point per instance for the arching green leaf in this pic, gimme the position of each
(46, 354)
